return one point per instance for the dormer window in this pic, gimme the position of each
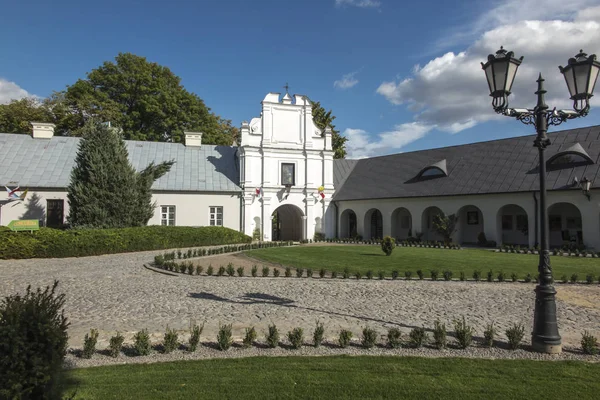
(436, 170)
(574, 156)
(431, 172)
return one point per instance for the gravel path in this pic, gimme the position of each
(115, 292)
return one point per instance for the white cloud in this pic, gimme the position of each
(450, 92)
(361, 144)
(347, 81)
(11, 91)
(358, 3)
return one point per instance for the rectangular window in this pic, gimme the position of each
(55, 213)
(555, 222)
(288, 174)
(167, 215)
(507, 222)
(216, 216)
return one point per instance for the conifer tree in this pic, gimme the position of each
(105, 190)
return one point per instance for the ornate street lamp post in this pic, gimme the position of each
(580, 74)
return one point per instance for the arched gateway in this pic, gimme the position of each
(287, 223)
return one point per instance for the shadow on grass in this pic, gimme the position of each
(66, 386)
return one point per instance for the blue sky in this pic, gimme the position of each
(399, 76)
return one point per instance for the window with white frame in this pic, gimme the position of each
(216, 216)
(167, 215)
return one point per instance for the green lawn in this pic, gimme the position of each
(363, 258)
(339, 377)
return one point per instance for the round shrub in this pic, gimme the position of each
(387, 245)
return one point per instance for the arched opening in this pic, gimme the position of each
(564, 225)
(373, 224)
(513, 225)
(348, 224)
(428, 231)
(401, 224)
(470, 225)
(287, 223)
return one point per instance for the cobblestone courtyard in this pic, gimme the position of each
(115, 292)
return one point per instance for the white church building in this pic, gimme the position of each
(282, 183)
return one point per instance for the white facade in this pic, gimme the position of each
(286, 134)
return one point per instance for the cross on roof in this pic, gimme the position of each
(286, 87)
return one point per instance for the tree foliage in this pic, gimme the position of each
(144, 99)
(445, 225)
(105, 190)
(324, 118)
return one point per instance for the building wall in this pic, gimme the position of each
(191, 209)
(491, 207)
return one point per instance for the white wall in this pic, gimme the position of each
(192, 209)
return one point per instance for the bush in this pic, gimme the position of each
(333, 274)
(527, 278)
(276, 272)
(288, 272)
(199, 269)
(240, 271)
(574, 278)
(265, 271)
(369, 274)
(439, 335)
(358, 275)
(369, 338)
(89, 344)
(249, 337)
(564, 278)
(589, 343)
(477, 275)
(170, 341)
(420, 274)
(296, 337)
(462, 276)
(381, 275)
(230, 269)
(489, 334)
(501, 276)
(322, 272)
(515, 334)
(33, 332)
(299, 272)
(434, 274)
(393, 338)
(464, 333)
(589, 279)
(272, 336)
(254, 271)
(514, 277)
(318, 334)
(417, 337)
(395, 274)
(309, 273)
(490, 276)
(141, 343)
(224, 337)
(56, 243)
(408, 275)
(447, 275)
(221, 271)
(195, 332)
(209, 270)
(344, 338)
(387, 245)
(115, 345)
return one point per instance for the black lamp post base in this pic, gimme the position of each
(545, 337)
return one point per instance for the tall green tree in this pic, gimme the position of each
(445, 225)
(105, 190)
(16, 116)
(324, 118)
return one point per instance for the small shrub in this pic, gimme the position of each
(489, 334)
(224, 337)
(574, 278)
(501, 276)
(387, 245)
(358, 275)
(417, 337)
(254, 271)
(249, 337)
(240, 271)
(420, 274)
(408, 275)
(589, 343)
(477, 275)
(381, 275)
(464, 333)
(515, 334)
(346, 273)
(276, 272)
(344, 338)
(393, 338)
(447, 275)
(333, 274)
(296, 337)
(171, 341)
(462, 276)
(190, 268)
(318, 334)
(514, 277)
(115, 345)
(309, 273)
(322, 273)
(272, 336)
(209, 270)
(288, 272)
(299, 272)
(395, 275)
(369, 338)
(199, 269)
(564, 278)
(589, 279)
(369, 274)
(434, 274)
(221, 271)
(89, 343)
(527, 278)
(439, 335)
(195, 332)
(141, 343)
(265, 271)
(230, 269)
(490, 276)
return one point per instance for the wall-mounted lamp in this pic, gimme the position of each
(585, 185)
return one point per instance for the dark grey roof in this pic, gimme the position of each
(498, 166)
(341, 169)
(47, 163)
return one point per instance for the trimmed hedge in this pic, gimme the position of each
(55, 243)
